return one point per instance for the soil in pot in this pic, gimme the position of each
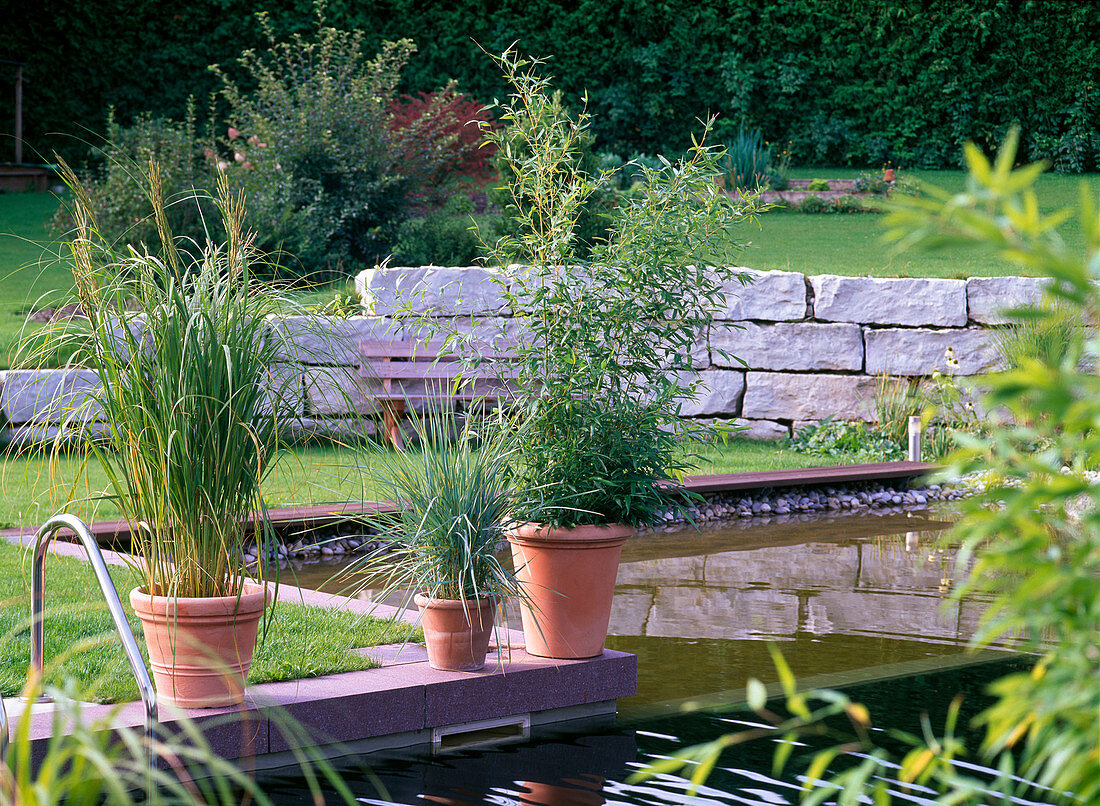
(200, 650)
(568, 576)
(456, 631)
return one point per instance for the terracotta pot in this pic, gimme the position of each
(889, 175)
(456, 631)
(569, 577)
(200, 650)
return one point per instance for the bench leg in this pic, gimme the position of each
(392, 411)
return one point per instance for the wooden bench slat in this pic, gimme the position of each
(376, 370)
(425, 351)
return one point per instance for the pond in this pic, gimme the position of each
(858, 602)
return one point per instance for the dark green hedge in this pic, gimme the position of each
(845, 82)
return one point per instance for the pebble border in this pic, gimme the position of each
(798, 504)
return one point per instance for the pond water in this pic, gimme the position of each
(858, 602)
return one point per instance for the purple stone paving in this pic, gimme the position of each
(404, 695)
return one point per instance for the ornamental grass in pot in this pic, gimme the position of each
(191, 414)
(608, 350)
(452, 493)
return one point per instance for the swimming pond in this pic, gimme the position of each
(859, 602)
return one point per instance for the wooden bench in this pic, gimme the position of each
(391, 365)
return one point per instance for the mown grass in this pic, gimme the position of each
(852, 244)
(81, 643)
(32, 487)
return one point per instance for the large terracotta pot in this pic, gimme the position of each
(200, 650)
(568, 576)
(456, 631)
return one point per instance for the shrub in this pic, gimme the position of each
(815, 204)
(850, 204)
(445, 237)
(871, 183)
(847, 442)
(451, 123)
(123, 207)
(817, 184)
(608, 340)
(328, 168)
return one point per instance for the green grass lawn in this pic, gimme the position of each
(81, 642)
(852, 245)
(32, 487)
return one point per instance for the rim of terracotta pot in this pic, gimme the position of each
(253, 597)
(422, 599)
(576, 536)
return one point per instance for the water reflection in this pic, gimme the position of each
(856, 602)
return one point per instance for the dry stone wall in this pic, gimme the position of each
(787, 349)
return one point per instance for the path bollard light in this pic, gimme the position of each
(914, 439)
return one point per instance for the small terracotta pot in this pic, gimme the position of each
(889, 175)
(456, 632)
(200, 650)
(569, 577)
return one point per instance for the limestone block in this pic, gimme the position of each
(910, 615)
(789, 345)
(888, 566)
(48, 396)
(440, 291)
(665, 571)
(772, 296)
(720, 392)
(795, 568)
(694, 612)
(342, 427)
(629, 611)
(764, 430)
(784, 396)
(906, 351)
(284, 392)
(987, 297)
(337, 391)
(900, 301)
(320, 340)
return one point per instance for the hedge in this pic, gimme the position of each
(904, 81)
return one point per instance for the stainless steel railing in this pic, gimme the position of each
(42, 541)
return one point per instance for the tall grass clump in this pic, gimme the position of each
(454, 500)
(747, 160)
(1046, 334)
(190, 406)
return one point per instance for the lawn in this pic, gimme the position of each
(32, 488)
(852, 245)
(81, 642)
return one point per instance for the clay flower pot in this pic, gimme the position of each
(200, 650)
(568, 576)
(456, 631)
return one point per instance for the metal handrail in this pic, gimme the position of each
(42, 541)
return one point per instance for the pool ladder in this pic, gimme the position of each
(42, 542)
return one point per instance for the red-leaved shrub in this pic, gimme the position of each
(434, 121)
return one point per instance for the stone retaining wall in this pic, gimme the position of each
(789, 348)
